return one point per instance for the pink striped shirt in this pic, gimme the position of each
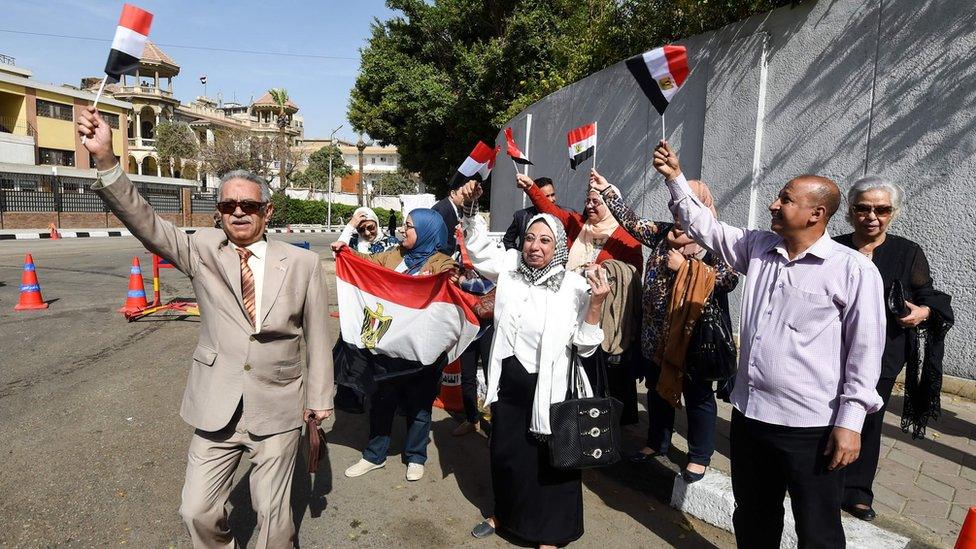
(811, 329)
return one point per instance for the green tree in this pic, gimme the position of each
(280, 98)
(443, 74)
(316, 175)
(395, 183)
(175, 142)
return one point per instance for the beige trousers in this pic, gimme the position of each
(212, 460)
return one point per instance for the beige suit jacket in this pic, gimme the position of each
(232, 362)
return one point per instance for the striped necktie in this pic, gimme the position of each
(247, 283)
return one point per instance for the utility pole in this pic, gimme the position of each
(361, 146)
(331, 151)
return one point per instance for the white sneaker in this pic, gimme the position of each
(415, 471)
(362, 467)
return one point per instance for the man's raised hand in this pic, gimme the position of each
(523, 181)
(98, 138)
(666, 161)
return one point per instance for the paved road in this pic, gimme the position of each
(94, 449)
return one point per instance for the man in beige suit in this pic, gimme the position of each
(246, 391)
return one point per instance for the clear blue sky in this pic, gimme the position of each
(320, 87)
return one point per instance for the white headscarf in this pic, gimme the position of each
(362, 245)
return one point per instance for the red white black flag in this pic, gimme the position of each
(477, 165)
(130, 39)
(582, 144)
(517, 155)
(660, 73)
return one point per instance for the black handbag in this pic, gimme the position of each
(585, 431)
(896, 300)
(711, 354)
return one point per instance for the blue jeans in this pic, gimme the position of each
(414, 395)
(701, 408)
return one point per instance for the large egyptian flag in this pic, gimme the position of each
(582, 144)
(130, 39)
(395, 324)
(660, 73)
(517, 155)
(475, 166)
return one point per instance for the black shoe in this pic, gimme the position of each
(690, 477)
(641, 457)
(482, 530)
(866, 515)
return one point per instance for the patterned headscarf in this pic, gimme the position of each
(531, 275)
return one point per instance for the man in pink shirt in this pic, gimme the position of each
(812, 334)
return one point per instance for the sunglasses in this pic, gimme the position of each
(249, 207)
(864, 209)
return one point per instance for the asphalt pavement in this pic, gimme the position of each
(94, 450)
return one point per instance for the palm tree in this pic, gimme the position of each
(280, 98)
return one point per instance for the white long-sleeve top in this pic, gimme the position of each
(536, 325)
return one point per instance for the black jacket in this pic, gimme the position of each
(446, 209)
(513, 236)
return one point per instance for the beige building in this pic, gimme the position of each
(377, 160)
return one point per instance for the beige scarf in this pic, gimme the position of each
(591, 239)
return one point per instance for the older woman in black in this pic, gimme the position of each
(873, 204)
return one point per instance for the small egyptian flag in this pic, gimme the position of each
(485, 172)
(660, 73)
(582, 144)
(517, 156)
(475, 166)
(203, 80)
(129, 41)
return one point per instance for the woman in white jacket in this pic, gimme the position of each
(541, 312)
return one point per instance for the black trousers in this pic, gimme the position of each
(701, 408)
(859, 476)
(769, 460)
(480, 349)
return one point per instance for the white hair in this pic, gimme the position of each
(870, 183)
(246, 175)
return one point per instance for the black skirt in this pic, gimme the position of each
(533, 501)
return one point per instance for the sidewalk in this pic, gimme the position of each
(40, 234)
(923, 488)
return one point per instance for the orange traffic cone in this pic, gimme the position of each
(450, 395)
(967, 536)
(135, 299)
(30, 290)
(55, 235)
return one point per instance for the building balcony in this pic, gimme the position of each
(141, 143)
(149, 91)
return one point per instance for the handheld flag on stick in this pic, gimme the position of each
(582, 144)
(477, 165)
(660, 74)
(130, 40)
(518, 157)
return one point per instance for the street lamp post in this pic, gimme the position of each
(331, 148)
(361, 146)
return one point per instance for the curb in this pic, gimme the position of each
(46, 235)
(711, 500)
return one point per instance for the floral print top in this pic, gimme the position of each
(658, 278)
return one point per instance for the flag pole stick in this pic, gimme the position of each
(98, 96)
(664, 136)
(595, 145)
(515, 165)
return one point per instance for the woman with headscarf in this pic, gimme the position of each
(542, 311)
(671, 249)
(364, 234)
(918, 317)
(594, 237)
(424, 235)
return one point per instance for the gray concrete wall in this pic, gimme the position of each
(839, 88)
